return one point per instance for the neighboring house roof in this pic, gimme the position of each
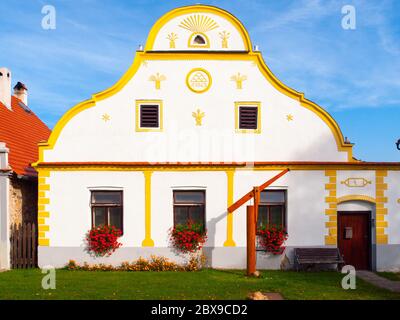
(21, 130)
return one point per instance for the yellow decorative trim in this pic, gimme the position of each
(356, 182)
(239, 78)
(160, 114)
(229, 218)
(289, 117)
(44, 187)
(42, 194)
(201, 81)
(147, 242)
(192, 44)
(43, 228)
(224, 35)
(198, 23)
(41, 207)
(331, 211)
(356, 198)
(44, 242)
(198, 116)
(172, 37)
(43, 214)
(157, 78)
(239, 104)
(381, 211)
(41, 221)
(43, 201)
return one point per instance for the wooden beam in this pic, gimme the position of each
(251, 241)
(250, 194)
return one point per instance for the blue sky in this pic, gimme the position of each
(354, 74)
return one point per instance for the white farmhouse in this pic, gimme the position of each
(196, 122)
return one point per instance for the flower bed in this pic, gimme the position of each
(153, 264)
(272, 238)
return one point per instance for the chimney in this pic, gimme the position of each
(21, 92)
(5, 87)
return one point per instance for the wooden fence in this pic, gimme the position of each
(23, 246)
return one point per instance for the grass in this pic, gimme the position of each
(394, 276)
(205, 284)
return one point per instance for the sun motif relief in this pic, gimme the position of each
(198, 25)
(105, 117)
(289, 117)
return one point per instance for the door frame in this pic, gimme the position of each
(369, 233)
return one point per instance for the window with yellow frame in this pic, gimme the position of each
(149, 115)
(248, 117)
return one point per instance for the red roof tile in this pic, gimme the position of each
(21, 131)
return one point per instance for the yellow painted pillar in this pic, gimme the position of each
(147, 242)
(229, 219)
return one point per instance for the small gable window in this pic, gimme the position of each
(199, 40)
(148, 116)
(248, 117)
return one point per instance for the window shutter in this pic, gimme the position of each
(248, 117)
(149, 116)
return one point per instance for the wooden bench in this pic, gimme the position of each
(313, 256)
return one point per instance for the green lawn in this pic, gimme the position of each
(205, 284)
(394, 276)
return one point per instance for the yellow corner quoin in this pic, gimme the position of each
(44, 242)
(380, 190)
(331, 211)
(160, 114)
(148, 54)
(147, 242)
(239, 104)
(229, 218)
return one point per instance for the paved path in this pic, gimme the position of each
(379, 281)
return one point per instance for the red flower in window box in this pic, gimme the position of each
(103, 240)
(272, 238)
(189, 237)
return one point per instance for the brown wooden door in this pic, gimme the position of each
(354, 238)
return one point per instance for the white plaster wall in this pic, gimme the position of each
(393, 205)
(235, 41)
(88, 138)
(4, 210)
(305, 208)
(215, 186)
(70, 213)
(367, 190)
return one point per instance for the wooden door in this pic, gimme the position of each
(354, 238)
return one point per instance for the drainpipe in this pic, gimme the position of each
(5, 172)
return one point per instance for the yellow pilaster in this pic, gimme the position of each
(381, 211)
(229, 219)
(147, 242)
(331, 208)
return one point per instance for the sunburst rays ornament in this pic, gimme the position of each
(198, 24)
(289, 117)
(198, 116)
(157, 78)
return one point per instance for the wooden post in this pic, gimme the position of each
(251, 241)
